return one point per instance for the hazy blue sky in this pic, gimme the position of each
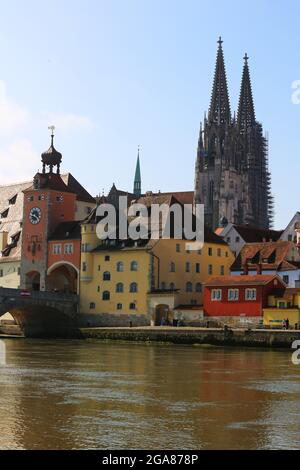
(117, 73)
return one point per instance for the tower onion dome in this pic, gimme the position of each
(51, 158)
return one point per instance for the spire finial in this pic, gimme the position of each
(52, 129)
(246, 58)
(220, 41)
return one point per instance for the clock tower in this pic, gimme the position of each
(47, 203)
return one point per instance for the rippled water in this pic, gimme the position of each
(89, 394)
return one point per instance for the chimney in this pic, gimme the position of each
(245, 269)
(258, 268)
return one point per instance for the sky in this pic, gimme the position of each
(115, 74)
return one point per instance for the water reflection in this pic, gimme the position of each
(75, 394)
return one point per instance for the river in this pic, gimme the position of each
(96, 395)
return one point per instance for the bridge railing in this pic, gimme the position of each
(39, 295)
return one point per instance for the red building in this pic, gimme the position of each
(241, 296)
(52, 211)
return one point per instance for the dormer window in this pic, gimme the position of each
(12, 200)
(4, 214)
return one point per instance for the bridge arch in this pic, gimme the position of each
(33, 280)
(63, 276)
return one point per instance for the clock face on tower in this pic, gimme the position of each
(35, 215)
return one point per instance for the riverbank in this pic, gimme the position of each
(186, 335)
(180, 335)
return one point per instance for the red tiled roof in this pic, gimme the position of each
(259, 279)
(277, 254)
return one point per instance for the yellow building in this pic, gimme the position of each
(283, 307)
(144, 281)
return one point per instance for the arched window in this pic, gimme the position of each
(134, 266)
(189, 287)
(106, 276)
(92, 306)
(133, 287)
(172, 267)
(106, 295)
(120, 287)
(132, 306)
(198, 287)
(120, 267)
(172, 286)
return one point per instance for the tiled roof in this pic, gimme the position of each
(75, 187)
(259, 279)
(67, 231)
(278, 254)
(251, 234)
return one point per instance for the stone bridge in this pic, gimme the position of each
(40, 313)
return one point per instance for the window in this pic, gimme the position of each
(119, 306)
(120, 267)
(92, 306)
(285, 279)
(187, 267)
(172, 286)
(56, 249)
(210, 269)
(4, 214)
(68, 248)
(106, 276)
(132, 306)
(120, 287)
(194, 302)
(233, 294)
(209, 251)
(107, 258)
(226, 254)
(237, 239)
(281, 304)
(133, 266)
(199, 287)
(98, 289)
(30, 199)
(228, 239)
(216, 294)
(106, 295)
(85, 247)
(172, 267)
(99, 267)
(222, 270)
(219, 252)
(250, 294)
(163, 285)
(177, 247)
(13, 200)
(133, 287)
(189, 287)
(199, 252)
(290, 238)
(197, 267)
(84, 267)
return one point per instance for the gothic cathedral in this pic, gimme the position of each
(232, 178)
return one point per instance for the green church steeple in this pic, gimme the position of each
(137, 187)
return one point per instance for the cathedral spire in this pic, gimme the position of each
(219, 111)
(246, 113)
(137, 187)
